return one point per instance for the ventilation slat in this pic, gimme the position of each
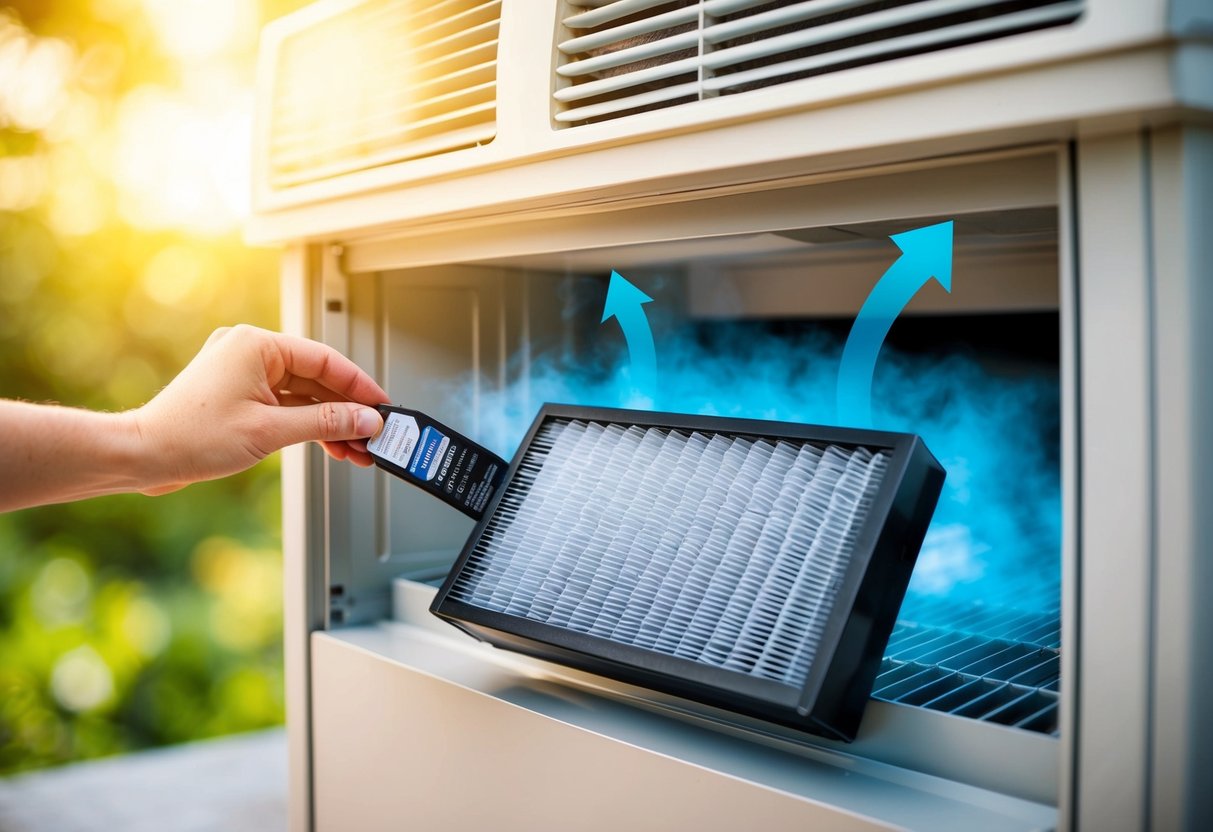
(638, 28)
(460, 21)
(473, 136)
(382, 82)
(892, 672)
(931, 691)
(605, 11)
(462, 77)
(454, 42)
(630, 54)
(446, 65)
(892, 46)
(777, 17)
(385, 102)
(1046, 669)
(954, 653)
(815, 35)
(422, 14)
(722, 7)
(616, 83)
(1019, 704)
(636, 51)
(935, 616)
(414, 118)
(915, 678)
(920, 644)
(633, 102)
(1041, 719)
(391, 134)
(963, 689)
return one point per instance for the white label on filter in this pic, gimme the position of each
(396, 441)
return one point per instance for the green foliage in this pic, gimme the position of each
(130, 621)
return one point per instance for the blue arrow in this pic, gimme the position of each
(925, 253)
(625, 302)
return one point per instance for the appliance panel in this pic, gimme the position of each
(582, 761)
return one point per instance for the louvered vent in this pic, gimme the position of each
(619, 57)
(719, 555)
(385, 81)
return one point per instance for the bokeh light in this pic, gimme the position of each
(81, 680)
(60, 594)
(33, 76)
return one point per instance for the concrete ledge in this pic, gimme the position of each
(233, 784)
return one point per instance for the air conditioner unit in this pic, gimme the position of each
(455, 182)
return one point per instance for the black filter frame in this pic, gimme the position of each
(836, 689)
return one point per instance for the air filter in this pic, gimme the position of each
(750, 565)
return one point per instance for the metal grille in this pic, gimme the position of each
(384, 81)
(619, 57)
(993, 664)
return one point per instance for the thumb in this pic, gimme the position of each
(328, 422)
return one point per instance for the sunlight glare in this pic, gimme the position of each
(198, 29)
(180, 165)
(77, 202)
(33, 75)
(177, 274)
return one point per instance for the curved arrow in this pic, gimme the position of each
(625, 302)
(925, 253)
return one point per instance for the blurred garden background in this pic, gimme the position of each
(129, 622)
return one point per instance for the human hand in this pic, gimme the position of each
(247, 393)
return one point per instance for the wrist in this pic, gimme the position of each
(142, 456)
(121, 452)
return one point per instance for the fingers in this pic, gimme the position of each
(306, 387)
(326, 422)
(353, 451)
(291, 400)
(361, 460)
(304, 359)
(337, 450)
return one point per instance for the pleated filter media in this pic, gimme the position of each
(755, 566)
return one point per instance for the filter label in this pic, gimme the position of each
(437, 459)
(431, 450)
(397, 440)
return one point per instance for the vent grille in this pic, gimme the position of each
(620, 57)
(993, 664)
(385, 81)
(715, 558)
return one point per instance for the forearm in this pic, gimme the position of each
(51, 454)
(247, 393)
